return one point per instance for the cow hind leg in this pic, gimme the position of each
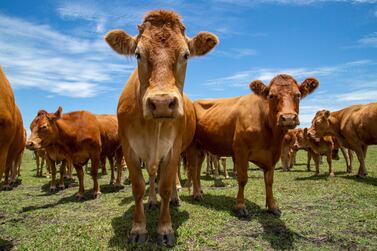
(80, 175)
(52, 165)
(241, 163)
(329, 162)
(112, 169)
(361, 154)
(62, 172)
(94, 172)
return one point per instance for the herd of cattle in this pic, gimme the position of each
(157, 126)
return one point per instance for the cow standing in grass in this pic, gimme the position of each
(354, 127)
(156, 120)
(249, 128)
(72, 138)
(12, 131)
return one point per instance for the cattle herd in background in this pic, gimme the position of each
(157, 126)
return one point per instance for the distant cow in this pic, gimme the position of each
(288, 152)
(249, 128)
(354, 127)
(156, 121)
(11, 127)
(71, 137)
(110, 146)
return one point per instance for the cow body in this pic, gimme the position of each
(354, 127)
(11, 127)
(71, 138)
(248, 128)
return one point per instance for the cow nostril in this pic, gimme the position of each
(173, 104)
(151, 105)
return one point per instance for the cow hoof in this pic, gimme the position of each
(332, 174)
(96, 195)
(362, 176)
(166, 239)
(79, 196)
(198, 197)
(242, 213)
(53, 189)
(7, 187)
(275, 211)
(175, 202)
(152, 205)
(137, 238)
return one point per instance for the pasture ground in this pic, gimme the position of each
(319, 213)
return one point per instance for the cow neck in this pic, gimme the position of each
(61, 135)
(271, 122)
(334, 126)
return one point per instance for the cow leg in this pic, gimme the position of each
(80, 175)
(350, 156)
(3, 158)
(112, 169)
(215, 161)
(165, 232)
(8, 167)
(344, 153)
(39, 168)
(52, 165)
(138, 233)
(316, 158)
(94, 172)
(241, 163)
(223, 163)
(309, 160)
(195, 157)
(175, 200)
(48, 166)
(119, 160)
(329, 162)
(208, 161)
(285, 159)
(361, 154)
(270, 201)
(103, 164)
(62, 172)
(152, 198)
(292, 159)
(178, 185)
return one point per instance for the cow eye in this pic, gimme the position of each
(43, 127)
(271, 96)
(186, 55)
(137, 55)
(298, 95)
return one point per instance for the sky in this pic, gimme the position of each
(54, 54)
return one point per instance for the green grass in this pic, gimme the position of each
(319, 213)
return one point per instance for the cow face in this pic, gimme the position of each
(301, 139)
(162, 51)
(320, 124)
(43, 129)
(283, 95)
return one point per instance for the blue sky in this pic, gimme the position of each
(54, 54)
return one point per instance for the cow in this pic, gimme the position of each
(156, 120)
(249, 128)
(70, 137)
(213, 165)
(110, 146)
(354, 127)
(11, 127)
(288, 152)
(40, 160)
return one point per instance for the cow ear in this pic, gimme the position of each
(308, 86)
(202, 43)
(305, 132)
(259, 88)
(327, 114)
(121, 42)
(58, 113)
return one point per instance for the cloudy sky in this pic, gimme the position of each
(54, 54)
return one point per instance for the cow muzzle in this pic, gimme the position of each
(31, 145)
(162, 106)
(288, 120)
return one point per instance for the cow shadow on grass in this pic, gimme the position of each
(122, 227)
(323, 176)
(6, 245)
(275, 231)
(368, 180)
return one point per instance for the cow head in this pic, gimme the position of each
(283, 95)
(162, 50)
(43, 129)
(301, 140)
(320, 124)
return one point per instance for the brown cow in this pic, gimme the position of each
(249, 128)
(354, 127)
(156, 121)
(110, 146)
(288, 152)
(71, 137)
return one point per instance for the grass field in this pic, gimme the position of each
(319, 213)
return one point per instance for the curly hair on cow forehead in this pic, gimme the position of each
(162, 18)
(283, 78)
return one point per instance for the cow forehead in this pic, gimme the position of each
(39, 120)
(284, 84)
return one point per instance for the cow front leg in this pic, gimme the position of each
(138, 233)
(350, 156)
(175, 200)
(103, 165)
(317, 160)
(94, 172)
(62, 172)
(165, 232)
(308, 161)
(270, 201)
(112, 170)
(223, 163)
(39, 171)
(52, 165)
(241, 163)
(80, 175)
(329, 162)
(361, 154)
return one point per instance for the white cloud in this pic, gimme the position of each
(237, 53)
(361, 95)
(38, 56)
(369, 40)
